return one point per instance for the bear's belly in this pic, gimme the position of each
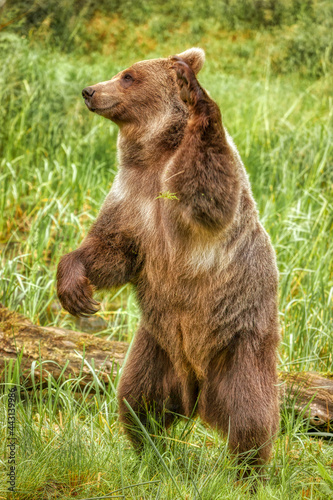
(179, 314)
(194, 316)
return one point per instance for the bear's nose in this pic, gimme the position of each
(88, 92)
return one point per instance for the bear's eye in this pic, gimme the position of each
(126, 80)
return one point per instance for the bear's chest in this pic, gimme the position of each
(136, 195)
(148, 215)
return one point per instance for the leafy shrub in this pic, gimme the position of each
(84, 25)
(308, 46)
(68, 16)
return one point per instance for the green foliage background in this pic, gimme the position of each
(269, 66)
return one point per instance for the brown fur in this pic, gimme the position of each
(202, 264)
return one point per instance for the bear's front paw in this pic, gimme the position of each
(74, 289)
(190, 89)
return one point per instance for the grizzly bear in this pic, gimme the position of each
(181, 225)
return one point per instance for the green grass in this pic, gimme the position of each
(70, 445)
(57, 164)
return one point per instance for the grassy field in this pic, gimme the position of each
(57, 164)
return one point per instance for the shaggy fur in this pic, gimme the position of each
(181, 225)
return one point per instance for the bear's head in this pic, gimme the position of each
(146, 90)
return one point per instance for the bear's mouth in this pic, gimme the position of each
(96, 110)
(104, 109)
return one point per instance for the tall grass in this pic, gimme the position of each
(56, 166)
(70, 446)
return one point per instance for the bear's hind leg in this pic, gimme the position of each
(152, 388)
(240, 397)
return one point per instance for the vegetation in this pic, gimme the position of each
(269, 66)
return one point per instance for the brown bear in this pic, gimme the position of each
(180, 224)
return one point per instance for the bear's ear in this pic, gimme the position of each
(194, 57)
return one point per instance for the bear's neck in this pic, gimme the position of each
(149, 145)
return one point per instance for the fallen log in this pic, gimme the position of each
(306, 393)
(54, 346)
(309, 394)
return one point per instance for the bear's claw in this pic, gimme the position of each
(79, 301)
(74, 289)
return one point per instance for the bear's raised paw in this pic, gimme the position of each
(74, 289)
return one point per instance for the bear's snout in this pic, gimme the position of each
(87, 94)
